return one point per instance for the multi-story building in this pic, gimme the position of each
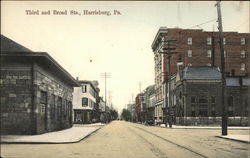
(195, 47)
(84, 102)
(201, 48)
(139, 107)
(149, 99)
(36, 92)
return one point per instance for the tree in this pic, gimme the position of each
(126, 115)
(114, 114)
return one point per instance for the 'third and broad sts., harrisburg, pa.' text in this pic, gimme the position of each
(72, 12)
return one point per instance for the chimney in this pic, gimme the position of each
(77, 78)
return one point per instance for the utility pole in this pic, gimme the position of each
(213, 49)
(105, 75)
(224, 109)
(167, 50)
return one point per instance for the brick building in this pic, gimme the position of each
(36, 92)
(138, 107)
(194, 47)
(200, 48)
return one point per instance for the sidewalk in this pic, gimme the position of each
(208, 127)
(241, 138)
(71, 135)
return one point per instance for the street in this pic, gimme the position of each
(121, 139)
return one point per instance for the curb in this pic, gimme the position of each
(242, 141)
(69, 142)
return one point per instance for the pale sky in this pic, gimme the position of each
(118, 44)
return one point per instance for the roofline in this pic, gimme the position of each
(161, 30)
(44, 55)
(89, 82)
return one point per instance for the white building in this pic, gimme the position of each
(84, 101)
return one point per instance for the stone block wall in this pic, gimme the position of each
(58, 98)
(16, 101)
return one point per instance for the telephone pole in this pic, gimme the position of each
(167, 50)
(221, 42)
(106, 75)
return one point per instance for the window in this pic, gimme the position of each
(189, 52)
(84, 88)
(212, 99)
(203, 100)
(203, 113)
(209, 53)
(213, 114)
(242, 66)
(53, 107)
(242, 54)
(208, 64)
(43, 101)
(189, 41)
(192, 99)
(209, 41)
(84, 101)
(193, 114)
(43, 97)
(242, 41)
(225, 53)
(224, 40)
(59, 108)
(189, 64)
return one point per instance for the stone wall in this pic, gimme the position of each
(16, 101)
(59, 100)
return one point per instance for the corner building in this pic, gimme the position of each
(36, 92)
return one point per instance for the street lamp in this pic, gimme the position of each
(167, 50)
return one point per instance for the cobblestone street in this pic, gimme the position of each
(121, 139)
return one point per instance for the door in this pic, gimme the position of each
(43, 111)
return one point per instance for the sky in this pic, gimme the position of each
(89, 45)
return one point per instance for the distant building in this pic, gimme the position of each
(139, 107)
(36, 92)
(149, 99)
(131, 108)
(84, 102)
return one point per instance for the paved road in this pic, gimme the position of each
(128, 140)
